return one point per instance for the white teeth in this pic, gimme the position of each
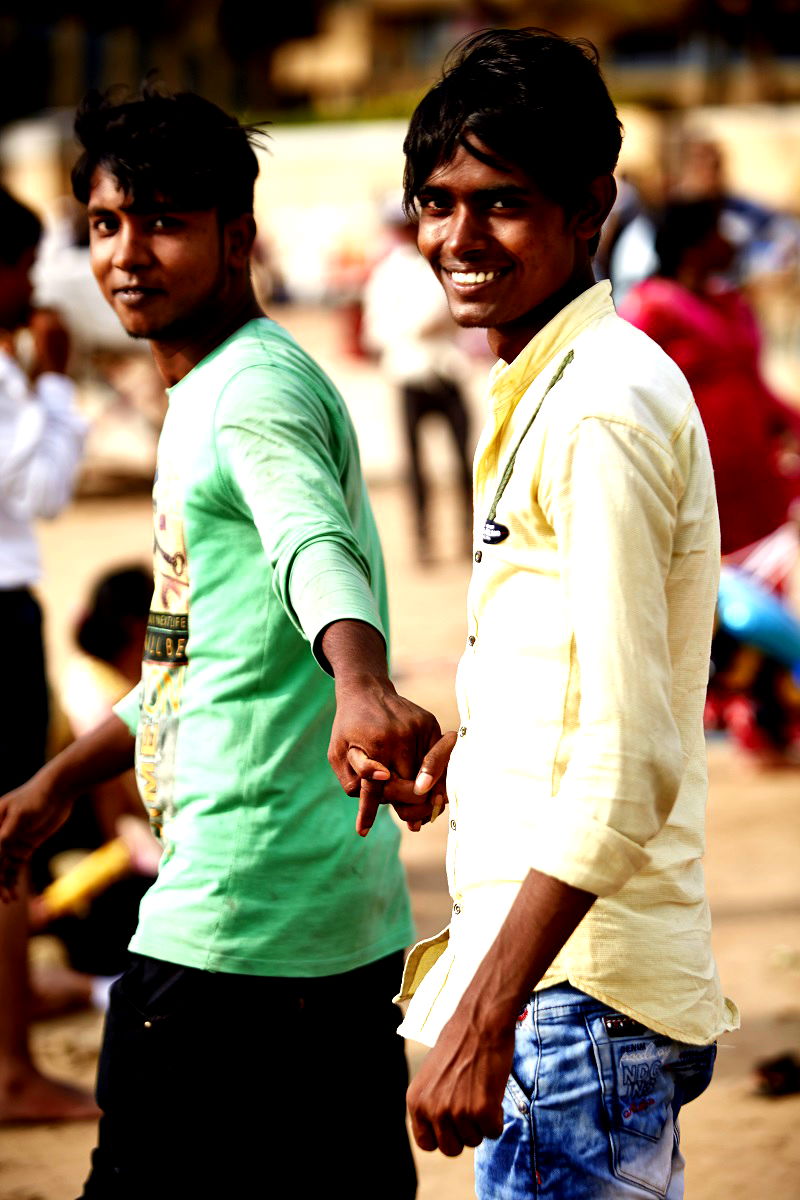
(473, 276)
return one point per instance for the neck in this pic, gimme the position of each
(693, 280)
(510, 340)
(176, 356)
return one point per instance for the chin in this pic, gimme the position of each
(470, 320)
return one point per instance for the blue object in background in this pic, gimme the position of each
(752, 614)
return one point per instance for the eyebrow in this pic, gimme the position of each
(142, 209)
(492, 193)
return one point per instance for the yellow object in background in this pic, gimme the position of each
(92, 875)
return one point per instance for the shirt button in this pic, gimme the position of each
(462, 731)
(452, 824)
(456, 909)
(478, 555)
(471, 639)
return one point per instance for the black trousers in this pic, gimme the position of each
(443, 397)
(24, 708)
(228, 1086)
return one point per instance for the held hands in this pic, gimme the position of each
(378, 740)
(420, 801)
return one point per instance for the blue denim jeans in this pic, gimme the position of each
(590, 1111)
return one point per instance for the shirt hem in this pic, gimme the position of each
(644, 1018)
(186, 954)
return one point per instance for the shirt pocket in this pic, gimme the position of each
(638, 1087)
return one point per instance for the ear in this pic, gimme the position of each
(239, 234)
(600, 197)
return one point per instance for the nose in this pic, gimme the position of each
(131, 249)
(466, 234)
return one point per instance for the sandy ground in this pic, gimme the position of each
(739, 1145)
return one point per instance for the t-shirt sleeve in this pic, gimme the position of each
(128, 708)
(610, 493)
(278, 453)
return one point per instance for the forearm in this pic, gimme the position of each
(544, 915)
(456, 1098)
(356, 653)
(98, 756)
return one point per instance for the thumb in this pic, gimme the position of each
(434, 764)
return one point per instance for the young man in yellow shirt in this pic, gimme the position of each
(573, 1004)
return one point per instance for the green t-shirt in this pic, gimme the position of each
(263, 535)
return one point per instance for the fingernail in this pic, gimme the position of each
(422, 783)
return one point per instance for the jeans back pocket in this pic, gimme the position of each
(638, 1087)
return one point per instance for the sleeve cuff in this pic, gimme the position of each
(127, 709)
(587, 855)
(326, 585)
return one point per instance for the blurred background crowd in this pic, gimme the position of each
(702, 249)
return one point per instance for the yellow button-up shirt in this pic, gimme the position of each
(581, 688)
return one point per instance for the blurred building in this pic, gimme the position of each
(373, 57)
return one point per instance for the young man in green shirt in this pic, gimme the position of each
(255, 1026)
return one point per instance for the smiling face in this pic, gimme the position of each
(507, 256)
(163, 272)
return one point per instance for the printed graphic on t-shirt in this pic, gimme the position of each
(164, 665)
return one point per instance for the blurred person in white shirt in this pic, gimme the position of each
(407, 323)
(41, 441)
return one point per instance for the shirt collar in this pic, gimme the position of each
(508, 381)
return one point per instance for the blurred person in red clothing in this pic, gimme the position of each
(706, 325)
(708, 328)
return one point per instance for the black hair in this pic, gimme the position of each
(536, 100)
(681, 225)
(118, 600)
(162, 147)
(20, 229)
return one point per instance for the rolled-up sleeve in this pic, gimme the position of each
(610, 495)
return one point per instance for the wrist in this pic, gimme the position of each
(356, 653)
(55, 781)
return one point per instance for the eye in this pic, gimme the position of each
(434, 203)
(163, 222)
(103, 226)
(505, 202)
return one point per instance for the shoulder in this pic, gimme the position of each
(263, 368)
(618, 373)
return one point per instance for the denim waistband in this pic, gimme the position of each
(564, 998)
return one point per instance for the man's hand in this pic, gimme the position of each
(376, 734)
(420, 802)
(31, 813)
(51, 342)
(28, 816)
(456, 1098)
